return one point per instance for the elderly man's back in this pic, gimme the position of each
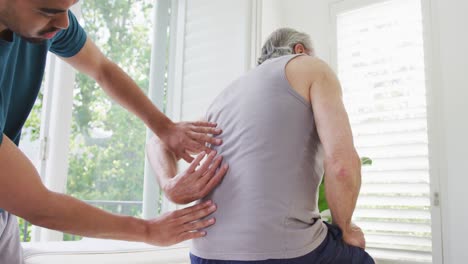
(267, 203)
(284, 124)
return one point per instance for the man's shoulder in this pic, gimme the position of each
(309, 63)
(307, 68)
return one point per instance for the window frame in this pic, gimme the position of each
(162, 20)
(56, 121)
(435, 146)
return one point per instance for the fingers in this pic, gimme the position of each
(192, 229)
(190, 235)
(185, 156)
(211, 171)
(207, 130)
(194, 215)
(198, 138)
(195, 146)
(361, 243)
(194, 209)
(205, 127)
(215, 180)
(194, 226)
(208, 150)
(196, 162)
(355, 238)
(204, 124)
(206, 164)
(203, 138)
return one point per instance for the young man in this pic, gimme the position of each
(28, 30)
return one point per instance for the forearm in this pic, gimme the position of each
(163, 162)
(342, 185)
(24, 195)
(342, 164)
(119, 86)
(70, 215)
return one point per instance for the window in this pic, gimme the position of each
(30, 145)
(380, 62)
(33, 139)
(90, 147)
(107, 143)
(30, 136)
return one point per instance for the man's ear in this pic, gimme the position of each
(299, 49)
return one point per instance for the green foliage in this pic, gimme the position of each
(108, 167)
(24, 236)
(366, 161)
(69, 237)
(322, 201)
(33, 123)
(106, 159)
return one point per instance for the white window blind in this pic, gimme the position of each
(211, 48)
(380, 59)
(216, 51)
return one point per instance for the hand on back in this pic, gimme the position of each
(197, 181)
(180, 225)
(187, 138)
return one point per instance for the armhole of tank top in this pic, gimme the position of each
(290, 89)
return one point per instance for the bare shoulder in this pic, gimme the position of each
(311, 76)
(309, 67)
(309, 60)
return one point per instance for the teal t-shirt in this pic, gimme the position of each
(22, 67)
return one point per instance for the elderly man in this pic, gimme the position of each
(28, 30)
(284, 126)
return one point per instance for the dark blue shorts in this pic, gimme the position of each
(332, 250)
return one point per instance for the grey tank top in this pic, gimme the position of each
(267, 202)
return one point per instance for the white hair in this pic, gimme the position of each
(282, 41)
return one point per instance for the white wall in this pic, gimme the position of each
(216, 45)
(309, 16)
(449, 58)
(272, 17)
(449, 18)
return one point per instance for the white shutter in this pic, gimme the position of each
(380, 59)
(216, 51)
(211, 46)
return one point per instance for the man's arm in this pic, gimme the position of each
(182, 138)
(22, 193)
(342, 163)
(192, 184)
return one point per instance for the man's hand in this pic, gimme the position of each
(177, 226)
(354, 236)
(187, 138)
(196, 182)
